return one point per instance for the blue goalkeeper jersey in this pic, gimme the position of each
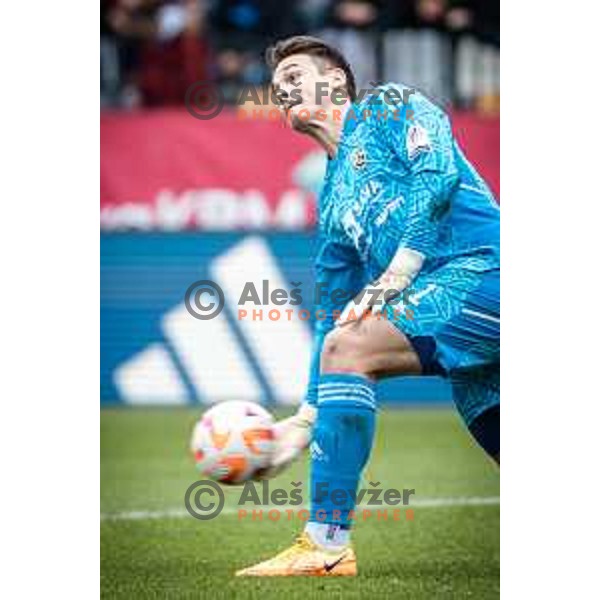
(399, 179)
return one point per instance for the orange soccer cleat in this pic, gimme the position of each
(304, 558)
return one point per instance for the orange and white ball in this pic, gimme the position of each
(232, 441)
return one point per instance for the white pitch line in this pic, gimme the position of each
(178, 513)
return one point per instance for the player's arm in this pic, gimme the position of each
(337, 268)
(423, 141)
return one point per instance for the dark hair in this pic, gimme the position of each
(305, 44)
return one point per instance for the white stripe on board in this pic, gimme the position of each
(282, 348)
(211, 356)
(150, 377)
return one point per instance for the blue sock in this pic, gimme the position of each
(341, 445)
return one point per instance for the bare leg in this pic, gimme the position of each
(370, 347)
(374, 348)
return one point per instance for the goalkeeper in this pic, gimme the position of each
(402, 212)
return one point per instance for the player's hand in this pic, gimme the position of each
(396, 278)
(373, 298)
(292, 437)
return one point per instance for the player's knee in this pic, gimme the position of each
(335, 349)
(343, 352)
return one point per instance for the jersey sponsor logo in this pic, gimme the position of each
(316, 453)
(359, 158)
(417, 141)
(389, 207)
(353, 229)
(369, 190)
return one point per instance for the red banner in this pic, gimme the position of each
(165, 170)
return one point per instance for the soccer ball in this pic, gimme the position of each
(233, 441)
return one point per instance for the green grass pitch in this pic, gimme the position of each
(150, 548)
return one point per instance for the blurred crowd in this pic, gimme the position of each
(152, 50)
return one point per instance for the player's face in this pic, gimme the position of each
(305, 101)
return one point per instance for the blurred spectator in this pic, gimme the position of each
(235, 69)
(251, 24)
(414, 14)
(476, 17)
(354, 14)
(177, 56)
(476, 40)
(241, 30)
(417, 49)
(152, 50)
(312, 14)
(486, 20)
(480, 18)
(430, 14)
(160, 46)
(352, 25)
(459, 18)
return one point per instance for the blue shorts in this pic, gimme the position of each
(486, 430)
(455, 330)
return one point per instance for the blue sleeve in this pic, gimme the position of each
(424, 142)
(338, 267)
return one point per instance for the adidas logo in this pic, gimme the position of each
(316, 452)
(223, 358)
